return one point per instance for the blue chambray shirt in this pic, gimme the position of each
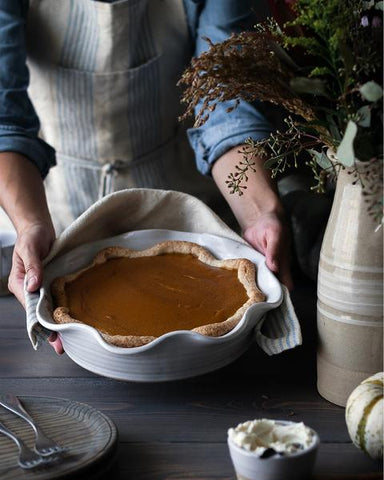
(215, 19)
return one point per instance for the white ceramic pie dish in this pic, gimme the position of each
(175, 355)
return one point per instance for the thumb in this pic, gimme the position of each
(272, 254)
(33, 272)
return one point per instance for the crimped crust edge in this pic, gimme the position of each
(246, 275)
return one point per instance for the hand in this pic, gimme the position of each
(269, 235)
(259, 212)
(22, 196)
(55, 342)
(32, 246)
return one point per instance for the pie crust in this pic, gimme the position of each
(245, 277)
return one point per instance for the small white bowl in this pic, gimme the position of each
(175, 355)
(295, 466)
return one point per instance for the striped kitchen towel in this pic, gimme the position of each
(143, 209)
(281, 329)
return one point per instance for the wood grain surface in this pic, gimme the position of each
(177, 430)
(86, 435)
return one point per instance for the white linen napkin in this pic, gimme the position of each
(143, 208)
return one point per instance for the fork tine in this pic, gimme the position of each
(27, 458)
(43, 444)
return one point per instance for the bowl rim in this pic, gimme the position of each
(313, 446)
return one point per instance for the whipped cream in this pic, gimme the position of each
(257, 436)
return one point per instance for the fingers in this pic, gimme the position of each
(278, 258)
(55, 342)
(32, 246)
(269, 236)
(33, 271)
(273, 252)
(27, 264)
(16, 278)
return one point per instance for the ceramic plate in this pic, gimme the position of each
(175, 355)
(87, 435)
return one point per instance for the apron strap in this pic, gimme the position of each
(109, 172)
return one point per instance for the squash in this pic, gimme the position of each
(364, 415)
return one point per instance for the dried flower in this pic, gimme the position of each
(215, 77)
(324, 68)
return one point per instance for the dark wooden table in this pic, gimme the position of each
(178, 430)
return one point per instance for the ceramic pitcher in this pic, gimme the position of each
(350, 293)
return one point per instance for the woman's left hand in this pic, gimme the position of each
(259, 212)
(269, 235)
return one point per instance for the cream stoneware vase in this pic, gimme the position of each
(350, 294)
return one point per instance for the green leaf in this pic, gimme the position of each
(379, 6)
(321, 158)
(371, 91)
(318, 71)
(313, 86)
(345, 152)
(333, 128)
(364, 116)
(270, 162)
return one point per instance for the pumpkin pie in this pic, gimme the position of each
(133, 296)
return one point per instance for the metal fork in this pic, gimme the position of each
(27, 457)
(43, 444)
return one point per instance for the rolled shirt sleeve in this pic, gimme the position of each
(19, 124)
(225, 130)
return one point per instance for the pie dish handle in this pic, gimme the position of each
(36, 332)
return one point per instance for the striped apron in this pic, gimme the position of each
(103, 83)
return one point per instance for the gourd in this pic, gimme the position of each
(364, 415)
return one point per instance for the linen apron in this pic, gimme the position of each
(103, 83)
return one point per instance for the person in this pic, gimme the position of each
(89, 105)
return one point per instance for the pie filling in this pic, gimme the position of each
(154, 295)
(132, 297)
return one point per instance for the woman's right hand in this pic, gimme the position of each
(32, 246)
(22, 196)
